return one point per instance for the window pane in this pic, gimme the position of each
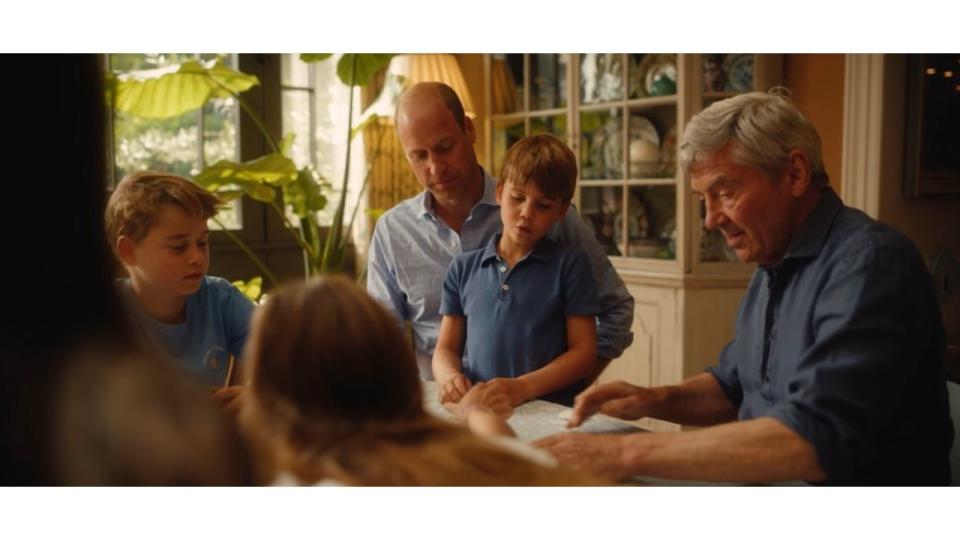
(297, 120)
(555, 125)
(651, 222)
(176, 145)
(505, 133)
(601, 77)
(548, 73)
(602, 209)
(601, 145)
(507, 83)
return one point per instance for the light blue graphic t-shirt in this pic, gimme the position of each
(216, 326)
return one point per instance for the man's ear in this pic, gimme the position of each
(798, 172)
(126, 250)
(470, 129)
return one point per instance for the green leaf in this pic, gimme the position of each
(314, 57)
(251, 289)
(304, 195)
(273, 169)
(286, 143)
(173, 93)
(366, 121)
(367, 66)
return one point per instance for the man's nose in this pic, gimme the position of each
(712, 216)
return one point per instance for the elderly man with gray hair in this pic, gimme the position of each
(835, 373)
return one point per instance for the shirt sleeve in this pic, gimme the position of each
(615, 320)
(382, 282)
(450, 301)
(238, 310)
(579, 289)
(727, 374)
(869, 317)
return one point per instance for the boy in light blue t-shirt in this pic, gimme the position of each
(521, 312)
(157, 225)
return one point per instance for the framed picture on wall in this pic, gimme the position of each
(932, 160)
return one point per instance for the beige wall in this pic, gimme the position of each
(816, 81)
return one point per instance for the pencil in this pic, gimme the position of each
(232, 362)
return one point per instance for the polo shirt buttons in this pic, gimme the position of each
(503, 268)
(505, 287)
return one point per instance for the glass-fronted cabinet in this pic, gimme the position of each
(623, 115)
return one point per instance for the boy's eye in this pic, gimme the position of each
(179, 248)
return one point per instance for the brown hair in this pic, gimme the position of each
(544, 160)
(447, 95)
(336, 395)
(140, 197)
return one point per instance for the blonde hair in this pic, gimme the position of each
(544, 160)
(141, 196)
(764, 128)
(336, 396)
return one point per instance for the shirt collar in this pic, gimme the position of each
(809, 240)
(425, 200)
(544, 251)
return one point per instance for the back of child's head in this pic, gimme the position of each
(140, 198)
(329, 351)
(544, 160)
(336, 396)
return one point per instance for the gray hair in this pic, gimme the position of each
(765, 128)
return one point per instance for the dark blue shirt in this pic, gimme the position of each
(516, 318)
(843, 342)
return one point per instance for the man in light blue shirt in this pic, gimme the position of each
(414, 242)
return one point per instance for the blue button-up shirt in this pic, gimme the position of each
(516, 318)
(412, 248)
(842, 341)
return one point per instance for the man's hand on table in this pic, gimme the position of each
(618, 399)
(595, 453)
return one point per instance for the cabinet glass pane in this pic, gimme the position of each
(651, 222)
(602, 209)
(652, 151)
(727, 73)
(548, 81)
(555, 125)
(505, 133)
(652, 75)
(506, 83)
(601, 77)
(601, 145)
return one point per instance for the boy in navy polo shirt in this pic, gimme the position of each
(521, 312)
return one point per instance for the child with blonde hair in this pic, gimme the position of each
(336, 399)
(157, 225)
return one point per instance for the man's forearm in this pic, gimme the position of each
(759, 450)
(697, 401)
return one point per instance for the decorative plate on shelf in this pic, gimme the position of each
(654, 75)
(739, 72)
(644, 149)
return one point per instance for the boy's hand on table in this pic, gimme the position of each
(515, 389)
(454, 388)
(481, 396)
(231, 398)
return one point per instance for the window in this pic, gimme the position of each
(182, 145)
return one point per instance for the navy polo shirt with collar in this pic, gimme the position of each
(516, 318)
